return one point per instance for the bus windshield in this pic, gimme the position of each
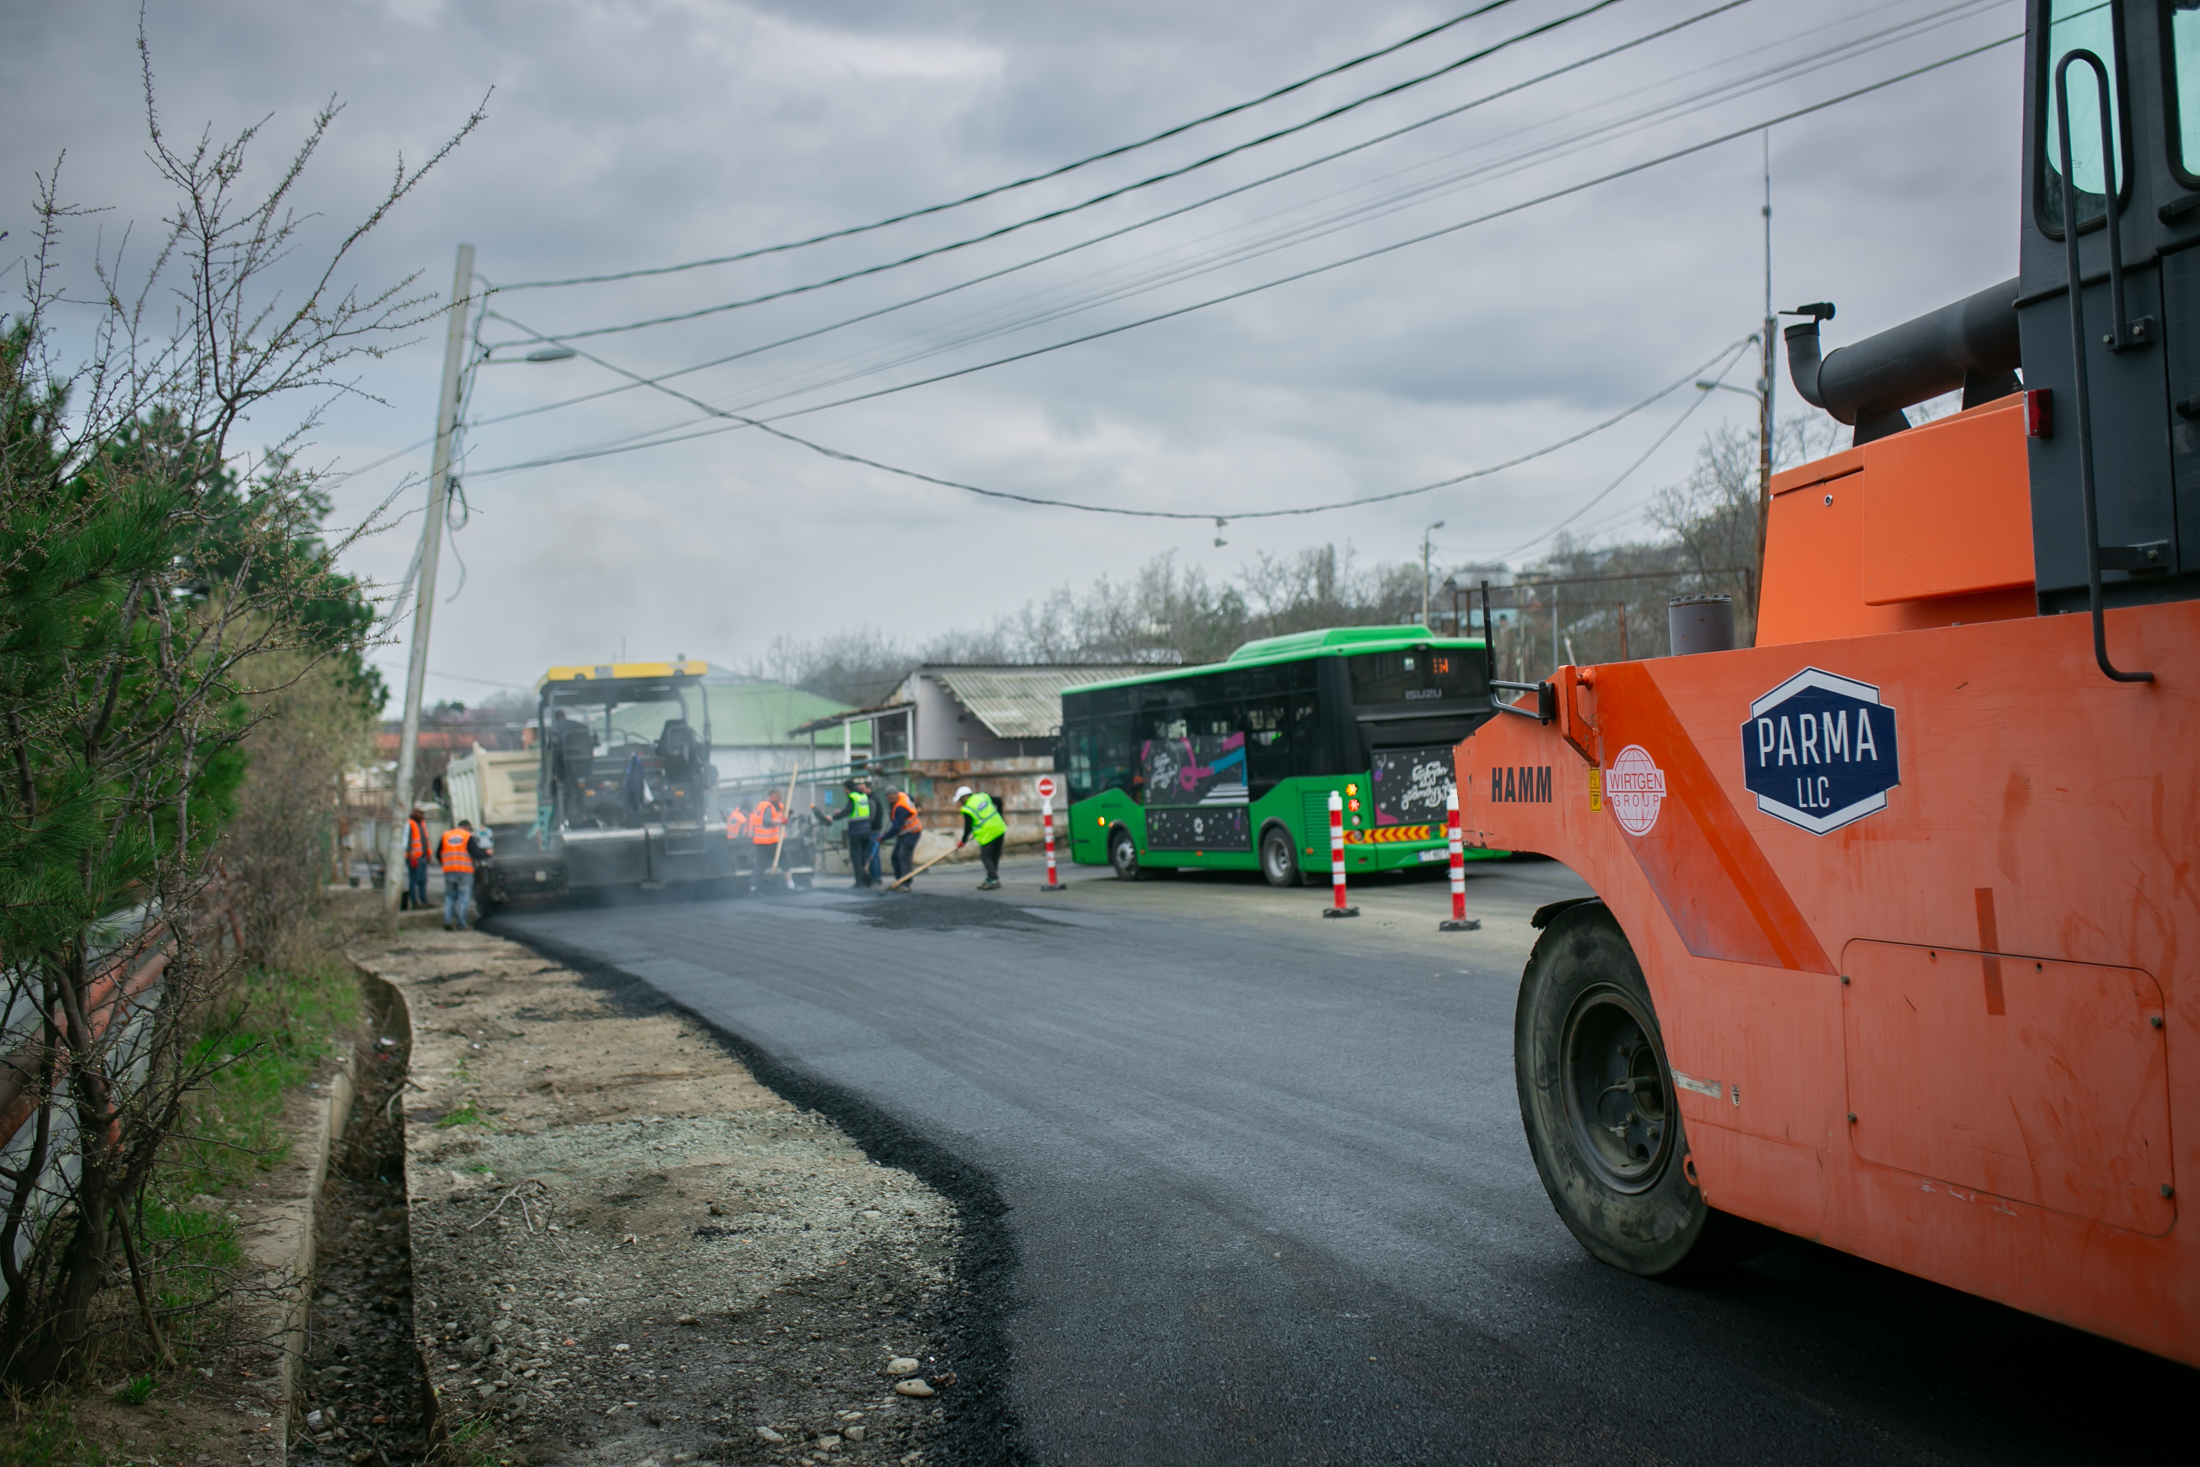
(1416, 675)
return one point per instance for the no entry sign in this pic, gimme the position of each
(1046, 786)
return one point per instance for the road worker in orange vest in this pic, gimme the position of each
(767, 828)
(904, 826)
(457, 852)
(416, 859)
(737, 830)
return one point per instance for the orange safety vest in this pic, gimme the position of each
(765, 822)
(416, 844)
(736, 822)
(901, 801)
(453, 853)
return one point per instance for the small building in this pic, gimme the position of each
(992, 727)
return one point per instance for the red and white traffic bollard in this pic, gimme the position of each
(1046, 822)
(1460, 921)
(1337, 908)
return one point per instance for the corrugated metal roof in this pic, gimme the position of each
(1018, 702)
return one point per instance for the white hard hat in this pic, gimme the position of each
(964, 793)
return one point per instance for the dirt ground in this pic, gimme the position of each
(226, 1406)
(627, 1251)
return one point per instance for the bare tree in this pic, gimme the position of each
(156, 588)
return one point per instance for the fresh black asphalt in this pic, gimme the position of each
(1250, 1187)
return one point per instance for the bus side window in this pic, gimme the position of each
(1267, 745)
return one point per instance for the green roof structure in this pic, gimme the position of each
(746, 714)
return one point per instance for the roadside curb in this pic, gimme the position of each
(400, 1008)
(287, 1247)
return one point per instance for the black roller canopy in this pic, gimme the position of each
(1971, 344)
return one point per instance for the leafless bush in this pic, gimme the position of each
(157, 596)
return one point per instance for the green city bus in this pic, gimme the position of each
(1230, 765)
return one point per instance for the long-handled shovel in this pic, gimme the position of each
(912, 876)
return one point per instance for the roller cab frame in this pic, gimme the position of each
(1892, 939)
(625, 781)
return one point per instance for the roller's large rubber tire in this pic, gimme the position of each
(1123, 855)
(1279, 857)
(1596, 1096)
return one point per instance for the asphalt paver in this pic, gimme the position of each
(1264, 1194)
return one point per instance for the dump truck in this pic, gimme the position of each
(1891, 940)
(623, 783)
(494, 791)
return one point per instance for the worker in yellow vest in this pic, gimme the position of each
(982, 823)
(457, 852)
(862, 831)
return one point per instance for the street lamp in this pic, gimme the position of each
(1432, 529)
(1760, 394)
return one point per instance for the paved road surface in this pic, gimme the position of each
(1269, 1199)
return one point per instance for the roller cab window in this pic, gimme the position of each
(2079, 25)
(2181, 46)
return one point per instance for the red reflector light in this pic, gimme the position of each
(2039, 413)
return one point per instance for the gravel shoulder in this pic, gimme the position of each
(625, 1249)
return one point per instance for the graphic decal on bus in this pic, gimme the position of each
(1412, 785)
(1201, 828)
(1195, 769)
(1819, 751)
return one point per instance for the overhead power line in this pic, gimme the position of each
(1185, 310)
(1299, 234)
(1056, 172)
(1293, 235)
(1115, 193)
(737, 421)
(1728, 352)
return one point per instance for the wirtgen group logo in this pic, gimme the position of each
(1635, 789)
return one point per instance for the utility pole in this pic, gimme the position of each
(1426, 626)
(439, 489)
(1764, 403)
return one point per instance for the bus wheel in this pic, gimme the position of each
(1597, 1098)
(1123, 855)
(1279, 857)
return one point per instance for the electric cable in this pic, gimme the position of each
(1067, 209)
(1056, 172)
(1167, 514)
(1602, 494)
(1257, 288)
(1309, 230)
(1784, 70)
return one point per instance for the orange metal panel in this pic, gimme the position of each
(1818, 526)
(2074, 812)
(2034, 1080)
(1948, 508)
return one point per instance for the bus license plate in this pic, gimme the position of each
(1442, 855)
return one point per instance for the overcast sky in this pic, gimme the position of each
(653, 132)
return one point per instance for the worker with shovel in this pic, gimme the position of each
(982, 823)
(767, 827)
(904, 827)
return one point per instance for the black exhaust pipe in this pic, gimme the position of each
(1971, 344)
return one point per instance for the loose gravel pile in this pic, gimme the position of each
(625, 1250)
